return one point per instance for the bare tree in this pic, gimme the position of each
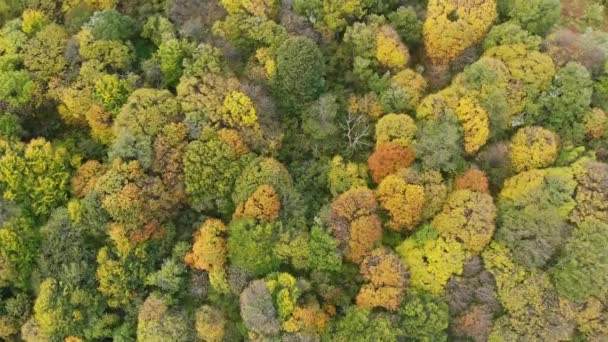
(356, 129)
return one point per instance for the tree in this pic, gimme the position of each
(299, 74)
(355, 224)
(591, 192)
(211, 166)
(171, 54)
(472, 179)
(537, 16)
(209, 252)
(146, 112)
(436, 189)
(389, 158)
(424, 317)
(264, 204)
(64, 255)
(533, 208)
(529, 300)
(467, 217)
(112, 91)
(319, 121)
(36, 175)
(19, 244)
(475, 124)
(270, 172)
(405, 90)
(111, 25)
(406, 23)
(473, 301)
(17, 88)
(510, 33)
(44, 54)
(444, 154)
(431, 260)
(386, 279)
(359, 324)
(157, 321)
(251, 245)
(266, 8)
(403, 201)
(398, 128)
(285, 293)
(390, 51)
(533, 147)
(15, 311)
(583, 270)
(324, 252)
(257, 309)
(451, 27)
(239, 111)
(567, 100)
(138, 202)
(345, 175)
(210, 324)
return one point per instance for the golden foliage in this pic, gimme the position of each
(264, 204)
(467, 217)
(403, 201)
(596, 123)
(209, 252)
(85, 178)
(387, 278)
(412, 82)
(475, 123)
(233, 139)
(532, 148)
(431, 262)
(399, 128)
(452, 26)
(368, 105)
(239, 110)
(390, 51)
(365, 234)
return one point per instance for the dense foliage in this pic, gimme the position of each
(303, 170)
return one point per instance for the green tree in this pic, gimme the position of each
(111, 25)
(44, 55)
(251, 245)
(158, 321)
(536, 16)
(36, 175)
(211, 167)
(567, 100)
(19, 242)
(360, 325)
(424, 317)
(324, 252)
(583, 269)
(299, 74)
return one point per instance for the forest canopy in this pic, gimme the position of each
(303, 170)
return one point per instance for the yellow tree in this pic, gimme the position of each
(475, 123)
(390, 51)
(399, 128)
(467, 217)
(452, 26)
(533, 147)
(403, 201)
